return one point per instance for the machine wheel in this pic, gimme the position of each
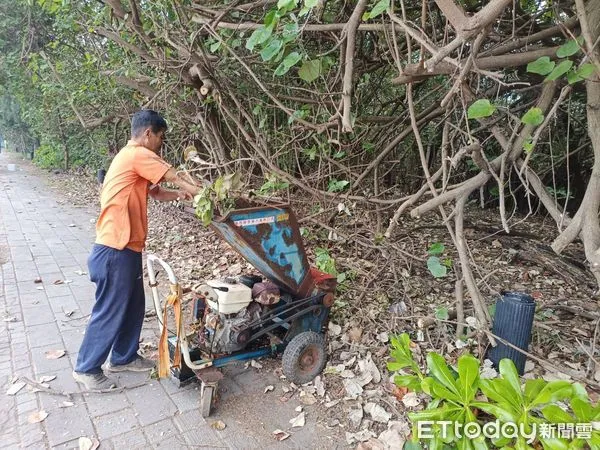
(206, 400)
(304, 357)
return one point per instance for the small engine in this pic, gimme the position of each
(229, 312)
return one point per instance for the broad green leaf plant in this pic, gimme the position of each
(462, 398)
(217, 196)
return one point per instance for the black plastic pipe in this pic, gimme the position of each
(513, 322)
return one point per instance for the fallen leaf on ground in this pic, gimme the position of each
(334, 329)
(298, 421)
(16, 387)
(399, 392)
(320, 386)
(10, 319)
(58, 282)
(368, 366)
(269, 388)
(307, 399)
(55, 354)
(410, 400)
(37, 416)
(218, 425)
(37, 280)
(298, 408)
(86, 443)
(355, 334)
(40, 288)
(69, 313)
(255, 364)
(80, 272)
(361, 436)
(377, 413)
(355, 417)
(46, 378)
(72, 225)
(371, 444)
(66, 404)
(353, 388)
(281, 435)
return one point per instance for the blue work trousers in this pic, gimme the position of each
(118, 314)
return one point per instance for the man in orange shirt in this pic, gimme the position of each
(115, 264)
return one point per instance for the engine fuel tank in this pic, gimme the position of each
(225, 297)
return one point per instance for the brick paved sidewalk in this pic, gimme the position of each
(43, 237)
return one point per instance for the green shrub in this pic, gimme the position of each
(458, 397)
(48, 156)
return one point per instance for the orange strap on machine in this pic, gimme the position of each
(173, 300)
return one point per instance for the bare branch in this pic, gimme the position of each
(350, 31)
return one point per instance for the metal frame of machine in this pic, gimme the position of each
(269, 238)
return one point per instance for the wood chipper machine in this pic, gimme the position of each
(235, 319)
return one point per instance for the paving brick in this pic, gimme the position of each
(44, 334)
(26, 408)
(113, 424)
(102, 404)
(132, 440)
(39, 314)
(72, 338)
(162, 405)
(32, 300)
(187, 400)
(32, 435)
(189, 420)
(161, 431)
(64, 303)
(173, 443)
(47, 269)
(66, 424)
(203, 436)
(43, 365)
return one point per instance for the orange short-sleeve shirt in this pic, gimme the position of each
(123, 221)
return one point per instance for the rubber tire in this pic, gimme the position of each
(206, 400)
(292, 357)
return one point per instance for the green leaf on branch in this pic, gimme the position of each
(585, 71)
(288, 62)
(481, 108)
(441, 313)
(533, 117)
(290, 32)
(569, 48)
(310, 70)
(259, 36)
(380, 7)
(337, 186)
(437, 248)
(286, 4)
(560, 70)
(310, 3)
(271, 50)
(528, 145)
(541, 66)
(435, 266)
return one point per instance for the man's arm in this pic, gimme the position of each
(172, 177)
(187, 190)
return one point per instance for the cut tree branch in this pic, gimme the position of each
(350, 32)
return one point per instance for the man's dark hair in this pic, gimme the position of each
(146, 118)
